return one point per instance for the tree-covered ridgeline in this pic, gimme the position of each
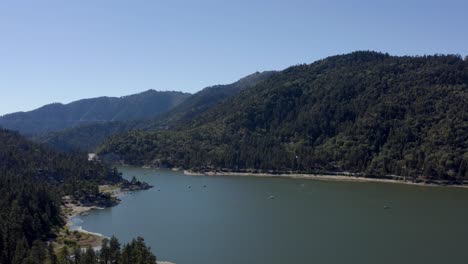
(204, 100)
(363, 112)
(33, 180)
(56, 116)
(88, 137)
(71, 172)
(111, 252)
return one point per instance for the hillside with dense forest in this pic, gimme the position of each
(204, 100)
(88, 137)
(364, 112)
(55, 117)
(33, 180)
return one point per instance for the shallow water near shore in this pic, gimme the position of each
(229, 219)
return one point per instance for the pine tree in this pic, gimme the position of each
(38, 253)
(136, 252)
(51, 257)
(105, 256)
(142, 252)
(114, 250)
(21, 251)
(2, 260)
(127, 255)
(89, 256)
(63, 256)
(77, 256)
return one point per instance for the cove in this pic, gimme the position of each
(229, 219)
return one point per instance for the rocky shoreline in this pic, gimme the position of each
(72, 207)
(333, 177)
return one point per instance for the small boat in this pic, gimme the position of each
(271, 197)
(386, 207)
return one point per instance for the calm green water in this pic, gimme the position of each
(232, 220)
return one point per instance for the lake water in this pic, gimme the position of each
(224, 220)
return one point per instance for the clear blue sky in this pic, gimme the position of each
(60, 51)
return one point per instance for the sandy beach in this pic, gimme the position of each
(322, 177)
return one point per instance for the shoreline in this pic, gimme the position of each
(72, 210)
(320, 177)
(77, 210)
(94, 239)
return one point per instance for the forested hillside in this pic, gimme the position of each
(72, 172)
(204, 100)
(364, 112)
(55, 117)
(88, 137)
(33, 180)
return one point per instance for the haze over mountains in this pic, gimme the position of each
(88, 137)
(54, 117)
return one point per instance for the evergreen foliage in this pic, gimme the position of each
(135, 252)
(89, 136)
(33, 180)
(55, 117)
(364, 112)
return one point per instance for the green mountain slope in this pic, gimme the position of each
(56, 117)
(71, 171)
(33, 180)
(363, 112)
(204, 100)
(88, 137)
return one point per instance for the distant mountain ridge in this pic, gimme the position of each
(89, 136)
(206, 99)
(56, 116)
